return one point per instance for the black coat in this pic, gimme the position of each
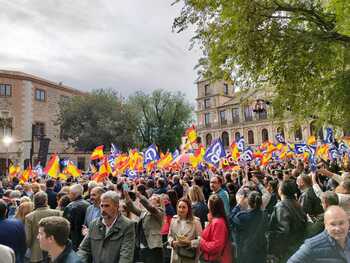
(310, 203)
(75, 214)
(200, 210)
(51, 198)
(286, 228)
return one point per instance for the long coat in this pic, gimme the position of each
(192, 230)
(115, 246)
(32, 229)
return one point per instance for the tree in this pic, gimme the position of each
(299, 47)
(100, 117)
(162, 118)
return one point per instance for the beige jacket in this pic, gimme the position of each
(31, 228)
(191, 229)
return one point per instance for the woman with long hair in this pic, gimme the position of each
(199, 208)
(215, 241)
(24, 209)
(249, 225)
(184, 234)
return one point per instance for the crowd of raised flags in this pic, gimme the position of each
(135, 162)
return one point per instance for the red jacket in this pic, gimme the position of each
(214, 242)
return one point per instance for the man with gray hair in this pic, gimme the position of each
(75, 214)
(111, 237)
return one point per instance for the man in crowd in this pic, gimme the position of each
(216, 187)
(111, 238)
(31, 225)
(332, 245)
(75, 213)
(93, 211)
(12, 233)
(51, 194)
(53, 238)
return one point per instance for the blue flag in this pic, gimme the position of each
(240, 144)
(312, 163)
(151, 154)
(343, 148)
(176, 154)
(329, 135)
(247, 155)
(333, 153)
(214, 153)
(131, 174)
(280, 138)
(300, 148)
(114, 150)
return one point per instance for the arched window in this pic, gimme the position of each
(225, 139)
(237, 136)
(208, 139)
(298, 134)
(250, 137)
(264, 135)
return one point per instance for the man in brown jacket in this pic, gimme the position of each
(41, 210)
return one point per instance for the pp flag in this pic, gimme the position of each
(240, 144)
(329, 135)
(214, 153)
(151, 154)
(247, 155)
(300, 148)
(280, 138)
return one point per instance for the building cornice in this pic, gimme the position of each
(24, 76)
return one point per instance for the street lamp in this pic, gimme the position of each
(7, 140)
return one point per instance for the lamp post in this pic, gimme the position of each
(7, 140)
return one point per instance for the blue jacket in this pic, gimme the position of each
(68, 255)
(225, 198)
(320, 248)
(12, 234)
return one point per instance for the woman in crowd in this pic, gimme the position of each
(24, 209)
(287, 223)
(185, 230)
(199, 208)
(249, 225)
(215, 242)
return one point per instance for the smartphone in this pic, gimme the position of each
(126, 187)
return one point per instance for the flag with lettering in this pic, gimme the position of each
(151, 154)
(280, 138)
(240, 144)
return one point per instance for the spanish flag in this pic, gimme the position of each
(27, 173)
(14, 170)
(72, 170)
(311, 140)
(97, 153)
(105, 168)
(165, 160)
(191, 134)
(234, 151)
(53, 166)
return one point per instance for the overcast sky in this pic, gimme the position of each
(86, 44)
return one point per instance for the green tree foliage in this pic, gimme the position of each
(162, 118)
(300, 47)
(100, 117)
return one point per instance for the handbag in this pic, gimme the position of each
(186, 252)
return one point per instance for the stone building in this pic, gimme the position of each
(223, 112)
(28, 111)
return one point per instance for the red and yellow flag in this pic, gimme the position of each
(27, 173)
(53, 167)
(72, 170)
(311, 140)
(191, 134)
(234, 151)
(97, 153)
(165, 160)
(14, 170)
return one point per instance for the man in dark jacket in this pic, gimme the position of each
(12, 233)
(53, 238)
(332, 245)
(75, 213)
(308, 200)
(51, 194)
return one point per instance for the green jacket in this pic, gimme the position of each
(117, 246)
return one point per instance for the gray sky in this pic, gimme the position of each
(87, 44)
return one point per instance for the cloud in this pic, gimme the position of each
(126, 45)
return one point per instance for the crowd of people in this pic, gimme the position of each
(282, 212)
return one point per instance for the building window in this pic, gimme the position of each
(223, 119)
(248, 113)
(81, 163)
(6, 126)
(225, 139)
(39, 129)
(264, 135)
(225, 88)
(206, 89)
(250, 137)
(235, 115)
(40, 95)
(5, 90)
(262, 115)
(298, 134)
(206, 103)
(208, 139)
(237, 136)
(207, 119)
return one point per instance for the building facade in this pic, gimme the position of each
(29, 107)
(222, 112)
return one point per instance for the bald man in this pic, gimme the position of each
(332, 245)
